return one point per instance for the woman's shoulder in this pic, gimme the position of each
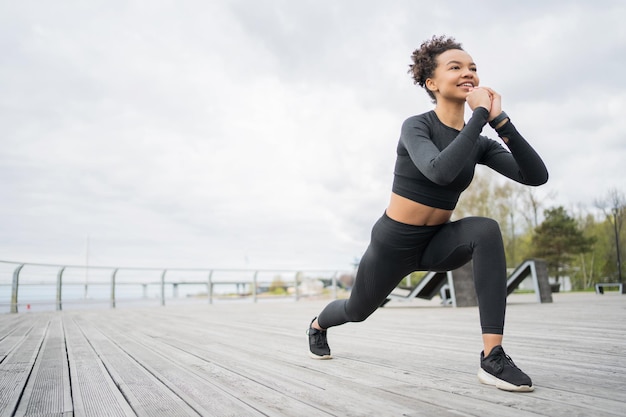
(424, 119)
(426, 116)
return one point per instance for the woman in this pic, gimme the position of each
(436, 157)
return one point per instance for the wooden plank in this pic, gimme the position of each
(254, 397)
(15, 369)
(14, 335)
(282, 371)
(578, 359)
(146, 395)
(449, 338)
(261, 380)
(264, 385)
(186, 377)
(412, 359)
(94, 392)
(9, 323)
(447, 345)
(47, 392)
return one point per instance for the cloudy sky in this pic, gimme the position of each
(262, 134)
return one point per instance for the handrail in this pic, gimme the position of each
(152, 268)
(209, 277)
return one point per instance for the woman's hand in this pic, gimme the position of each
(496, 104)
(479, 97)
(485, 97)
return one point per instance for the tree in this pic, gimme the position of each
(531, 203)
(588, 264)
(514, 206)
(614, 208)
(558, 240)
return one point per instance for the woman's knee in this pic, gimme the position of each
(360, 313)
(485, 227)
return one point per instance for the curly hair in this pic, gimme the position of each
(425, 59)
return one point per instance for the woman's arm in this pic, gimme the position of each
(442, 167)
(522, 164)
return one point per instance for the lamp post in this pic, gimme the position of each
(619, 260)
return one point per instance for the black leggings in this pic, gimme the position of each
(397, 249)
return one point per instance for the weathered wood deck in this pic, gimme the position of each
(245, 359)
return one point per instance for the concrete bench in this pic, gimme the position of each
(600, 287)
(456, 287)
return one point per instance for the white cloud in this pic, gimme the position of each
(222, 133)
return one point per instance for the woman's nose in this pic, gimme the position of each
(468, 73)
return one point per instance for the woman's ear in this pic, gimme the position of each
(431, 85)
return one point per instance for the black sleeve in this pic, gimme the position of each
(522, 164)
(442, 167)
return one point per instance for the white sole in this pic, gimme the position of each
(488, 379)
(314, 356)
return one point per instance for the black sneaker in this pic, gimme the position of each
(318, 345)
(498, 369)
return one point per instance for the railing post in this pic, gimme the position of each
(210, 287)
(334, 281)
(14, 288)
(254, 283)
(296, 286)
(163, 287)
(60, 288)
(113, 287)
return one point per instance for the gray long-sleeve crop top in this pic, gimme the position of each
(436, 163)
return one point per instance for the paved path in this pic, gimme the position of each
(245, 359)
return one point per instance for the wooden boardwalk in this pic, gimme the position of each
(245, 359)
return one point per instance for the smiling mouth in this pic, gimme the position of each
(468, 85)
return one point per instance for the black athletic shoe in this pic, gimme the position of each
(318, 345)
(498, 369)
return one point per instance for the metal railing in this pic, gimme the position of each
(54, 282)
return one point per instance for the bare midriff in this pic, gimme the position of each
(406, 211)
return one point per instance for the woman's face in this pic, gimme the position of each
(454, 77)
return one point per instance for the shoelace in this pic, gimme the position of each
(500, 361)
(320, 338)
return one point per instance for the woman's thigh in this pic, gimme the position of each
(454, 244)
